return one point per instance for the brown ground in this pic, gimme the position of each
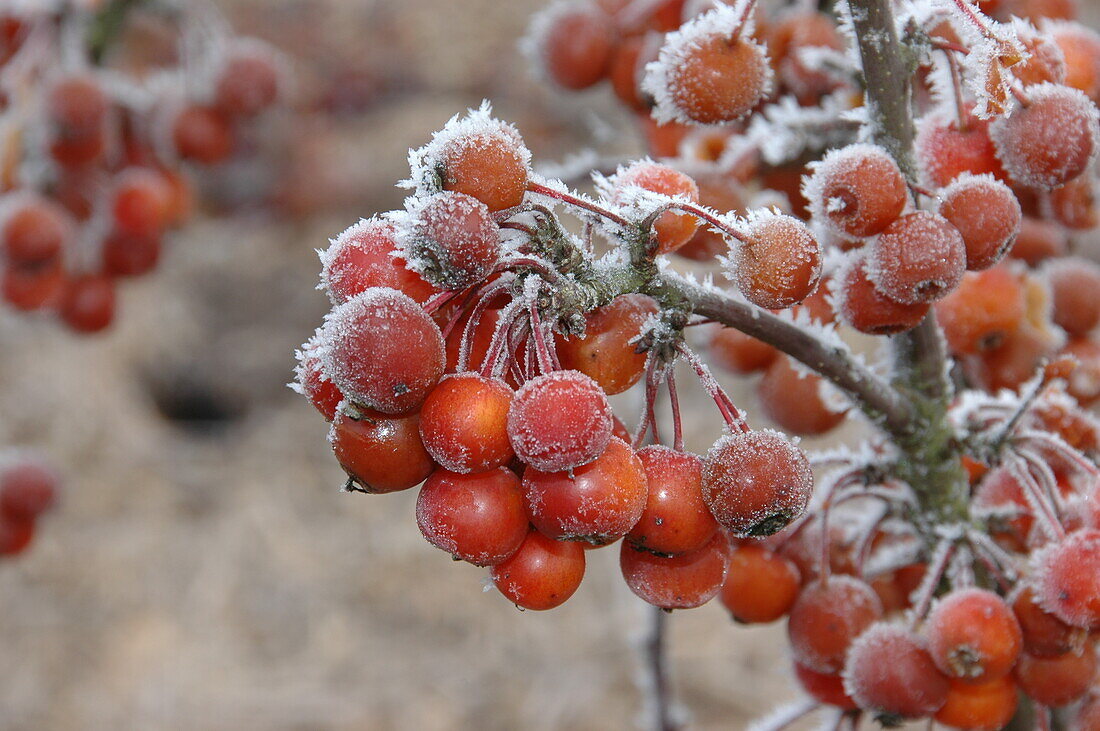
(204, 571)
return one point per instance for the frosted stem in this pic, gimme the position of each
(660, 686)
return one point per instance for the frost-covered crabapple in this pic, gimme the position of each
(683, 581)
(598, 502)
(857, 190)
(756, 483)
(559, 421)
(1049, 141)
(778, 262)
(478, 518)
(710, 71)
(382, 350)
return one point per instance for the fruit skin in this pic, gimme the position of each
(382, 351)
(713, 80)
(27, 490)
(34, 232)
(987, 706)
(973, 636)
(983, 311)
(919, 258)
(1044, 634)
(478, 518)
(889, 671)
(676, 519)
(606, 353)
(760, 586)
(671, 229)
(490, 165)
(463, 423)
(778, 264)
(203, 135)
(684, 581)
(1068, 579)
(541, 574)
(579, 431)
(987, 216)
(1059, 680)
(381, 454)
(740, 353)
(756, 483)
(792, 399)
(365, 256)
(1051, 140)
(857, 190)
(88, 303)
(827, 617)
(861, 306)
(598, 502)
(824, 688)
(576, 46)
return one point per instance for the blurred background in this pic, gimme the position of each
(203, 570)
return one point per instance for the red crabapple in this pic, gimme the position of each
(480, 157)
(917, 259)
(987, 706)
(27, 489)
(454, 241)
(478, 518)
(367, 255)
(383, 351)
(464, 423)
(858, 190)
(1044, 634)
(313, 384)
(248, 82)
(683, 581)
(559, 421)
(986, 214)
(740, 353)
(861, 306)
(946, 150)
(1059, 680)
(34, 230)
(778, 263)
(824, 688)
(761, 586)
(827, 617)
(573, 44)
(792, 399)
(985, 309)
(606, 352)
(1051, 140)
(598, 502)
(889, 671)
(1075, 291)
(973, 636)
(671, 229)
(710, 71)
(381, 454)
(1068, 579)
(755, 483)
(676, 519)
(202, 135)
(542, 573)
(88, 303)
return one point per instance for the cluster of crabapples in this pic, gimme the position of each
(474, 341)
(28, 488)
(97, 144)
